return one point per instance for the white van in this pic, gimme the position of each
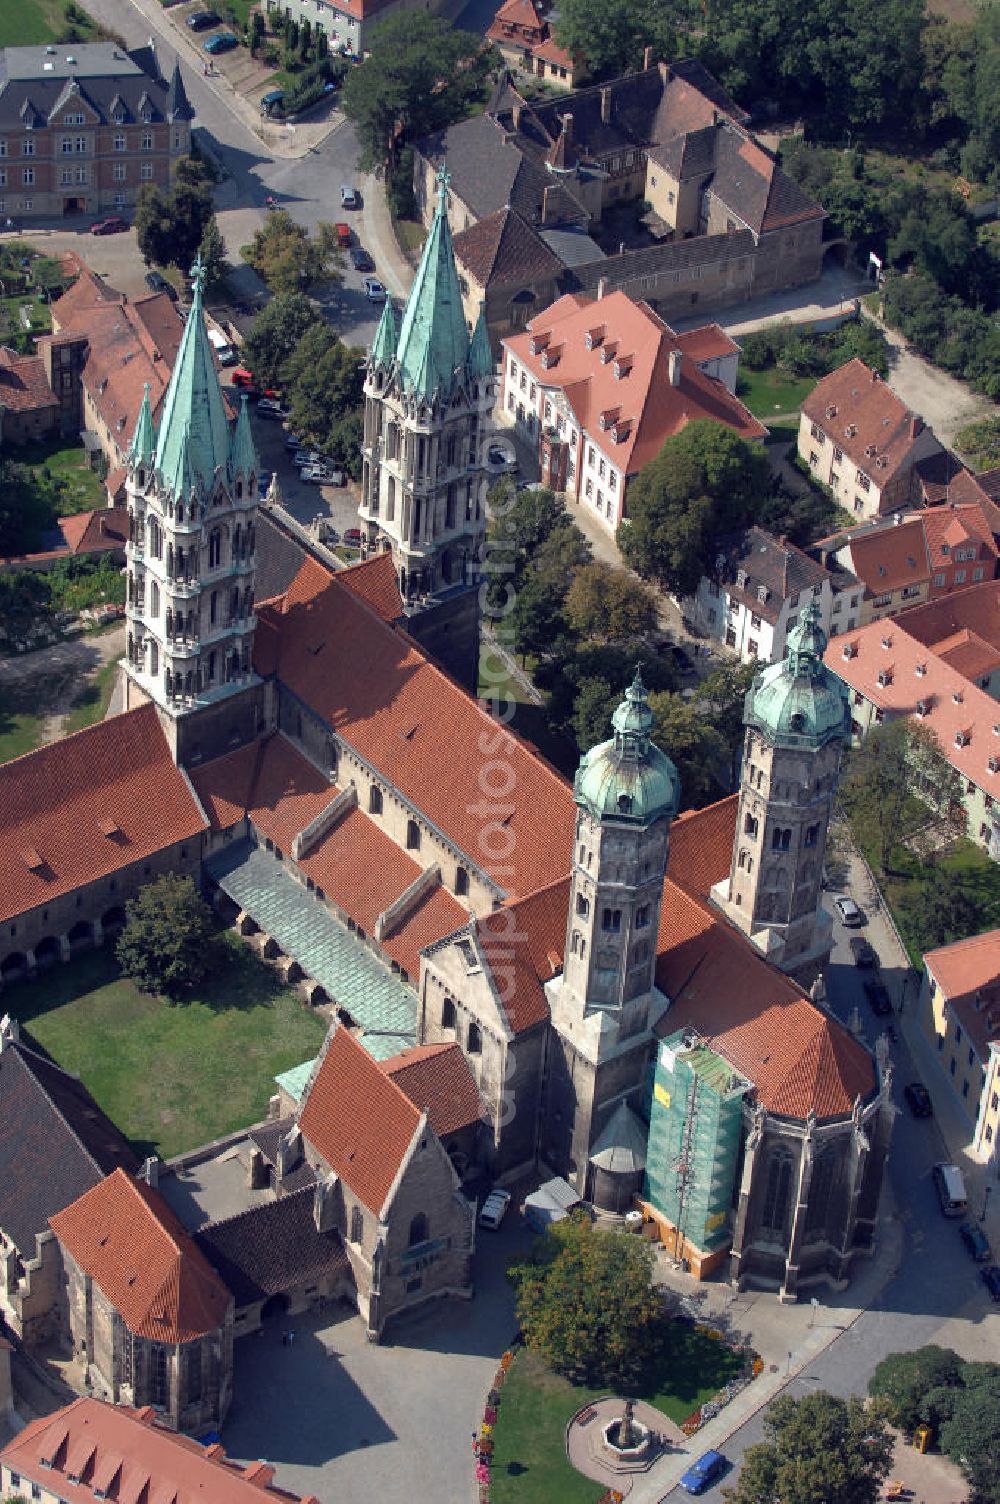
(950, 1187)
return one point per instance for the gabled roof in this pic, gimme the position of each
(863, 416)
(975, 609)
(437, 1080)
(751, 185)
(272, 1248)
(358, 1120)
(58, 805)
(374, 580)
(701, 845)
(969, 653)
(503, 249)
(766, 563)
(125, 1236)
(24, 386)
(55, 1143)
(968, 974)
(890, 557)
(129, 1456)
(98, 73)
(486, 170)
(95, 532)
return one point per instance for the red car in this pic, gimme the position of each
(343, 233)
(113, 226)
(353, 537)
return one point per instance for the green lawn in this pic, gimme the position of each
(92, 705)
(171, 1075)
(769, 392)
(80, 488)
(10, 313)
(20, 731)
(530, 1464)
(411, 235)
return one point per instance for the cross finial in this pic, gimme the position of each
(443, 182)
(198, 274)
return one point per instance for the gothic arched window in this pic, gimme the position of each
(821, 1191)
(214, 548)
(778, 1192)
(448, 1014)
(750, 825)
(418, 1229)
(154, 599)
(213, 607)
(474, 1039)
(461, 881)
(812, 835)
(412, 836)
(374, 800)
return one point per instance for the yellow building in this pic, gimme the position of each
(959, 1012)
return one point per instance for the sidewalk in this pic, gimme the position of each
(380, 238)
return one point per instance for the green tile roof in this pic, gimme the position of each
(193, 441)
(295, 1081)
(144, 439)
(386, 336)
(352, 975)
(433, 340)
(243, 456)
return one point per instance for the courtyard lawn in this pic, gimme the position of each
(92, 704)
(980, 878)
(20, 731)
(80, 489)
(769, 393)
(171, 1075)
(529, 1462)
(27, 22)
(10, 314)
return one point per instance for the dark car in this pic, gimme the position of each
(201, 20)
(862, 951)
(361, 259)
(990, 1276)
(112, 226)
(352, 537)
(157, 283)
(878, 995)
(223, 41)
(975, 1241)
(918, 1099)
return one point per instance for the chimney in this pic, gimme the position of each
(674, 367)
(647, 58)
(602, 287)
(606, 106)
(916, 425)
(10, 1030)
(150, 1172)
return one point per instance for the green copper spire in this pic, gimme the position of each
(242, 455)
(799, 701)
(194, 414)
(144, 439)
(628, 777)
(481, 363)
(386, 335)
(433, 340)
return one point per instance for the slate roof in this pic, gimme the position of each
(98, 74)
(268, 1138)
(125, 1236)
(437, 1080)
(272, 1248)
(662, 260)
(24, 386)
(770, 563)
(80, 809)
(503, 249)
(750, 184)
(280, 556)
(487, 173)
(358, 1119)
(55, 1143)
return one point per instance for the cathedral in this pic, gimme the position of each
(624, 983)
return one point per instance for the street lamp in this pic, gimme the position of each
(986, 1201)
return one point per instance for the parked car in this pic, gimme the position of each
(918, 1099)
(878, 995)
(990, 1276)
(201, 20)
(352, 537)
(494, 1208)
(241, 376)
(850, 914)
(112, 226)
(361, 259)
(268, 407)
(349, 197)
(863, 952)
(314, 475)
(158, 283)
(703, 1472)
(343, 234)
(223, 41)
(374, 291)
(975, 1240)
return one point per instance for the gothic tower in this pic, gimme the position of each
(429, 394)
(605, 1003)
(796, 719)
(192, 500)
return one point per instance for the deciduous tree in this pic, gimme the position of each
(164, 946)
(611, 35)
(817, 1450)
(895, 761)
(904, 1380)
(607, 603)
(288, 258)
(277, 330)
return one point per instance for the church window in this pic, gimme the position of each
(780, 839)
(812, 835)
(357, 1224)
(374, 800)
(154, 658)
(154, 599)
(390, 498)
(155, 539)
(642, 916)
(234, 605)
(750, 825)
(640, 952)
(213, 607)
(582, 905)
(448, 1014)
(461, 881)
(418, 1229)
(239, 491)
(474, 1039)
(576, 943)
(624, 804)
(214, 549)
(192, 1370)
(158, 1388)
(745, 861)
(412, 836)
(611, 920)
(778, 1193)
(211, 668)
(821, 1192)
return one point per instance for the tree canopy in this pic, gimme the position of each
(27, 509)
(288, 258)
(606, 602)
(611, 35)
(170, 227)
(961, 1401)
(164, 946)
(587, 1304)
(323, 381)
(277, 330)
(895, 761)
(904, 1380)
(817, 1450)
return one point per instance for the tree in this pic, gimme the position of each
(27, 510)
(585, 683)
(323, 382)
(721, 696)
(971, 1434)
(942, 909)
(611, 35)
(164, 946)
(894, 762)
(213, 254)
(817, 1450)
(587, 1305)
(705, 481)
(169, 227)
(288, 258)
(420, 76)
(153, 225)
(256, 32)
(903, 1382)
(683, 730)
(277, 330)
(606, 602)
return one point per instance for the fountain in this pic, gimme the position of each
(626, 1444)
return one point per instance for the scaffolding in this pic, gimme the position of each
(694, 1140)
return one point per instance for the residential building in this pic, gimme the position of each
(81, 535)
(506, 268)
(959, 1012)
(601, 384)
(143, 1312)
(861, 440)
(84, 125)
(349, 23)
(429, 393)
(89, 1449)
(55, 1144)
(727, 223)
(523, 37)
(29, 411)
(964, 630)
(889, 673)
(755, 594)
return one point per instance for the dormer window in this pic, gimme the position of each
(921, 670)
(962, 738)
(887, 642)
(957, 696)
(885, 676)
(762, 592)
(850, 650)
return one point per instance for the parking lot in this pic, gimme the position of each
(301, 498)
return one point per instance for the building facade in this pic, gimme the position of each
(959, 1013)
(83, 127)
(522, 35)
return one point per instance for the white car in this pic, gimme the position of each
(348, 197)
(269, 408)
(374, 291)
(850, 914)
(494, 1208)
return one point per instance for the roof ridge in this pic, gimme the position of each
(48, 749)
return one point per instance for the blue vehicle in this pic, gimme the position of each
(703, 1472)
(223, 41)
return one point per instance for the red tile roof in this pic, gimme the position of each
(437, 1079)
(502, 248)
(357, 1118)
(968, 974)
(55, 801)
(890, 557)
(125, 1236)
(701, 845)
(128, 1456)
(374, 580)
(975, 609)
(524, 944)
(969, 653)
(96, 532)
(641, 401)
(707, 342)
(24, 386)
(374, 688)
(858, 413)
